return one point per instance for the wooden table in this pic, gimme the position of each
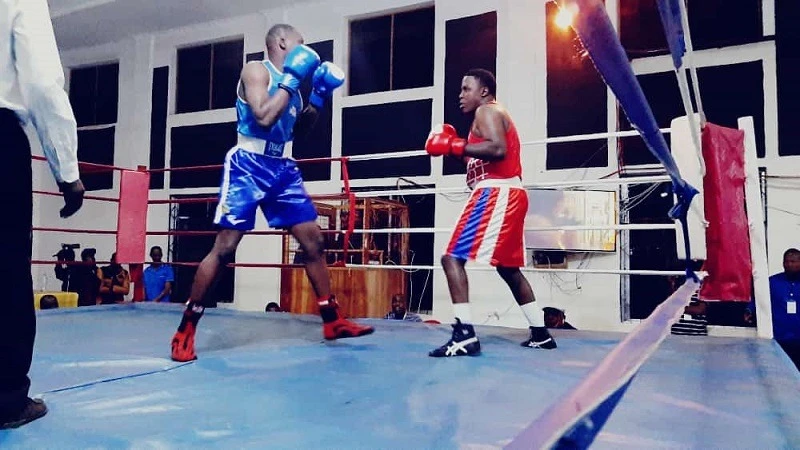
(361, 292)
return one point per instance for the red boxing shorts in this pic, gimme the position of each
(491, 227)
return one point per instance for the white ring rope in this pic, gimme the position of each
(531, 269)
(539, 185)
(630, 226)
(551, 140)
(587, 137)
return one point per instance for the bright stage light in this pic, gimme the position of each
(563, 18)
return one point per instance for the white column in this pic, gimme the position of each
(755, 218)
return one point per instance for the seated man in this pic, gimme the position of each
(64, 271)
(48, 302)
(86, 280)
(272, 307)
(399, 311)
(115, 283)
(556, 318)
(784, 292)
(693, 322)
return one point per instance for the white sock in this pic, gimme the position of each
(462, 311)
(534, 315)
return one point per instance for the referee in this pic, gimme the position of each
(31, 91)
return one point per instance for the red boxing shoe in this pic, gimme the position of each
(183, 344)
(343, 328)
(335, 326)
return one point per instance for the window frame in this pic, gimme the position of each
(764, 52)
(378, 14)
(95, 66)
(174, 108)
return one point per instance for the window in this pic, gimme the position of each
(96, 146)
(787, 35)
(94, 94)
(375, 129)
(257, 56)
(664, 98)
(471, 42)
(649, 249)
(642, 33)
(733, 91)
(656, 250)
(391, 52)
(193, 248)
(317, 143)
(728, 92)
(158, 125)
(200, 145)
(576, 100)
(207, 76)
(640, 28)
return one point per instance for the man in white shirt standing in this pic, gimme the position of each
(31, 90)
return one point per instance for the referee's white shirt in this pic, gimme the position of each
(32, 82)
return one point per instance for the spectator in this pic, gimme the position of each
(78, 278)
(784, 292)
(693, 322)
(48, 302)
(272, 307)
(64, 271)
(399, 311)
(556, 318)
(85, 280)
(158, 278)
(115, 283)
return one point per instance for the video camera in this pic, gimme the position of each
(67, 252)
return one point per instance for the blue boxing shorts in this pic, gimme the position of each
(275, 185)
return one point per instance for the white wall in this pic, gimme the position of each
(591, 301)
(94, 215)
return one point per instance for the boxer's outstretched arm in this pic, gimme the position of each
(489, 124)
(266, 108)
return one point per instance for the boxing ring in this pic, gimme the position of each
(270, 381)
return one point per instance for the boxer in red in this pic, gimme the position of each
(490, 229)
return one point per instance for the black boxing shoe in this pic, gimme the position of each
(34, 409)
(464, 342)
(540, 338)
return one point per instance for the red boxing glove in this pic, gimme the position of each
(445, 141)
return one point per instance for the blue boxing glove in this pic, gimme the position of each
(325, 80)
(299, 63)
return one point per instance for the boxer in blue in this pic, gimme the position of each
(256, 175)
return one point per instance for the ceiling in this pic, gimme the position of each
(80, 23)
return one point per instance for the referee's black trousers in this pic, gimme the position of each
(17, 314)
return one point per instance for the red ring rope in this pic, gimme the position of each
(219, 166)
(71, 230)
(95, 168)
(351, 217)
(85, 197)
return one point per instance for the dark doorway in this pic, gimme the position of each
(656, 250)
(649, 249)
(421, 211)
(196, 217)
